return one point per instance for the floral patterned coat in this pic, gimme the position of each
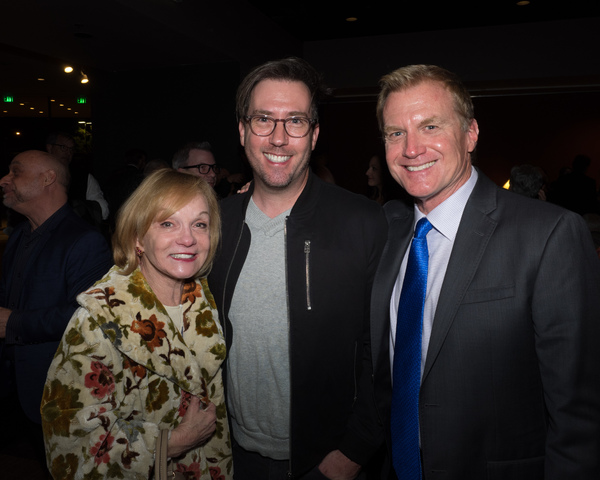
(123, 372)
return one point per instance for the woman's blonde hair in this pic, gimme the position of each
(159, 196)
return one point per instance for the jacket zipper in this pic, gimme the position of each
(307, 272)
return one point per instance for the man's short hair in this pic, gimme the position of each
(291, 69)
(413, 75)
(526, 180)
(52, 137)
(181, 156)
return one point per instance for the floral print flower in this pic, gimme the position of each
(215, 473)
(105, 294)
(113, 332)
(191, 290)
(100, 449)
(100, 380)
(205, 324)
(151, 331)
(186, 397)
(190, 471)
(137, 369)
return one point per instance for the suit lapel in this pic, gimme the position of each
(400, 223)
(472, 238)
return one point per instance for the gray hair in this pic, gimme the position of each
(183, 154)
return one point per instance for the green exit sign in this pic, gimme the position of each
(81, 100)
(8, 99)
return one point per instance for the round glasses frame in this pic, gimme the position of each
(286, 121)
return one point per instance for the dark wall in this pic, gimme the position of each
(536, 92)
(159, 110)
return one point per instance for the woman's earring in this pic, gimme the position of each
(139, 252)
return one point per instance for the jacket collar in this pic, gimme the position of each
(306, 203)
(133, 319)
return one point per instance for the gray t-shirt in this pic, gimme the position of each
(258, 367)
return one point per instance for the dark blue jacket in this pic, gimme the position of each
(68, 258)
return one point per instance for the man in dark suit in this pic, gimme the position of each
(510, 327)
(48, 260)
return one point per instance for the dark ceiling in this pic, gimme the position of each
(318, 20)
(39, 36)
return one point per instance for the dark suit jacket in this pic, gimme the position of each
(70, 258)
(511, 386)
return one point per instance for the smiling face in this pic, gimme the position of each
(175, 249)
(278, 160)
(427, 150)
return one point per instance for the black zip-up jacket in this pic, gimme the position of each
(334, 239)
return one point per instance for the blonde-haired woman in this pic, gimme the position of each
(139, 365)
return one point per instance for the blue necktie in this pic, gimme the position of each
(407, 359)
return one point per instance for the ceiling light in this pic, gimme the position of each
(523, 3)
(68, 69)
(84, 78)
(351, 19)
(40, 79)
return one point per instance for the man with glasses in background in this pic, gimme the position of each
(292, 284)
(196, 158)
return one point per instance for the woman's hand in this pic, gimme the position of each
(196, 428)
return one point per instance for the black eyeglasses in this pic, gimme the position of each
(64, 147)
(204, 168)
(264, 125)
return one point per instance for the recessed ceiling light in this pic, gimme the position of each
(40, 79)
(351, 19)
(68, 69)
(523, 3)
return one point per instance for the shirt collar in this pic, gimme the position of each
(445, 218)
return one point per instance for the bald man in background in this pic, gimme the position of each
(48, 260)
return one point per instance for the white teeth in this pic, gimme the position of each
(277, 158)
(420, 167)
(182, 255)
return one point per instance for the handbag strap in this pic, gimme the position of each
(160, 460)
